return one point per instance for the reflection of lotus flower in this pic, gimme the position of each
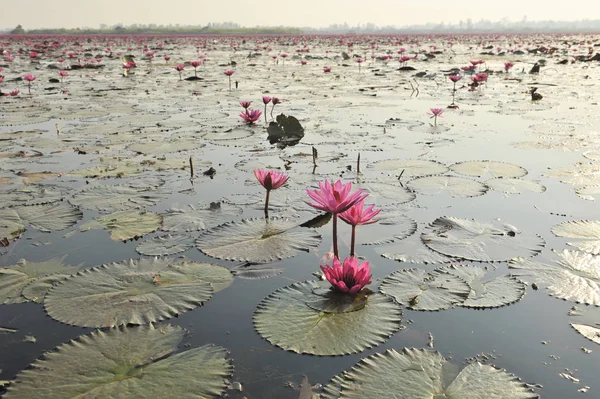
(349, 277)
(270, 180)
(251, 115)
(334, 198)
(358, 215)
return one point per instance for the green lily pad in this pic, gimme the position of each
(485, 242)
(387, 192)
(202, 217)
(410, 167)
(590, 193)
(109, 198)
(514, 186)
(168, 244)
(418, 373)
(286, 320)
(492, 168)
(125, 225)
(419, 290)
(30, 281)
(574, 277)
(586, 321)
(584, 229)
(135, 362)
(257, 240)
(493, 293)
(452, 185)
(134, 292)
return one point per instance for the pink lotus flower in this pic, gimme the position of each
(29, 77)
(266, 100)
(349, 277)
(167, 58)
(508, 66)
(455, 78)
(228, 74)
(179, 68)
(302, 62)
(358, 215)
(468, 68)
(326, 69)
(251, 115)
(14, 93)
(480, 77)
(334, 198)
(435, 112)
(245, 104)
(476, 62)
(63, 73)
(270, 180)
(195, 64)
(1, 79)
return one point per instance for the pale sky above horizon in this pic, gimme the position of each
(316, 13)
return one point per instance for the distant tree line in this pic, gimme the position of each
(212, 28)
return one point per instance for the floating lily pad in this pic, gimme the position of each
(256, 272)
(125, 225)
(420, 255)
(453, 185)
(165, 245)
(487, 293)
(204, 216)
(410, 167)
(574, 277)
(46, 218)
(586, 321)
(590, 193)
(492, 168)
(133, 292)
(418, 373)
(257, 240)
(286, 131)
(163, 147)
(286, 320)
(402, 228)
(135, 362)
(485, 242)
(31, 195)
(514, 186)
(419, 290)
(29, 281)
(388, 192)
(116, 198)
(584, 229)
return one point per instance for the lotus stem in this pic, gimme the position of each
(229, 83)
(353, 241)
(335, 242)
(267, 204)
(191, 168)
(358, 165)
(266, 121)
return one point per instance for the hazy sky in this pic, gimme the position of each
(317, 13)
